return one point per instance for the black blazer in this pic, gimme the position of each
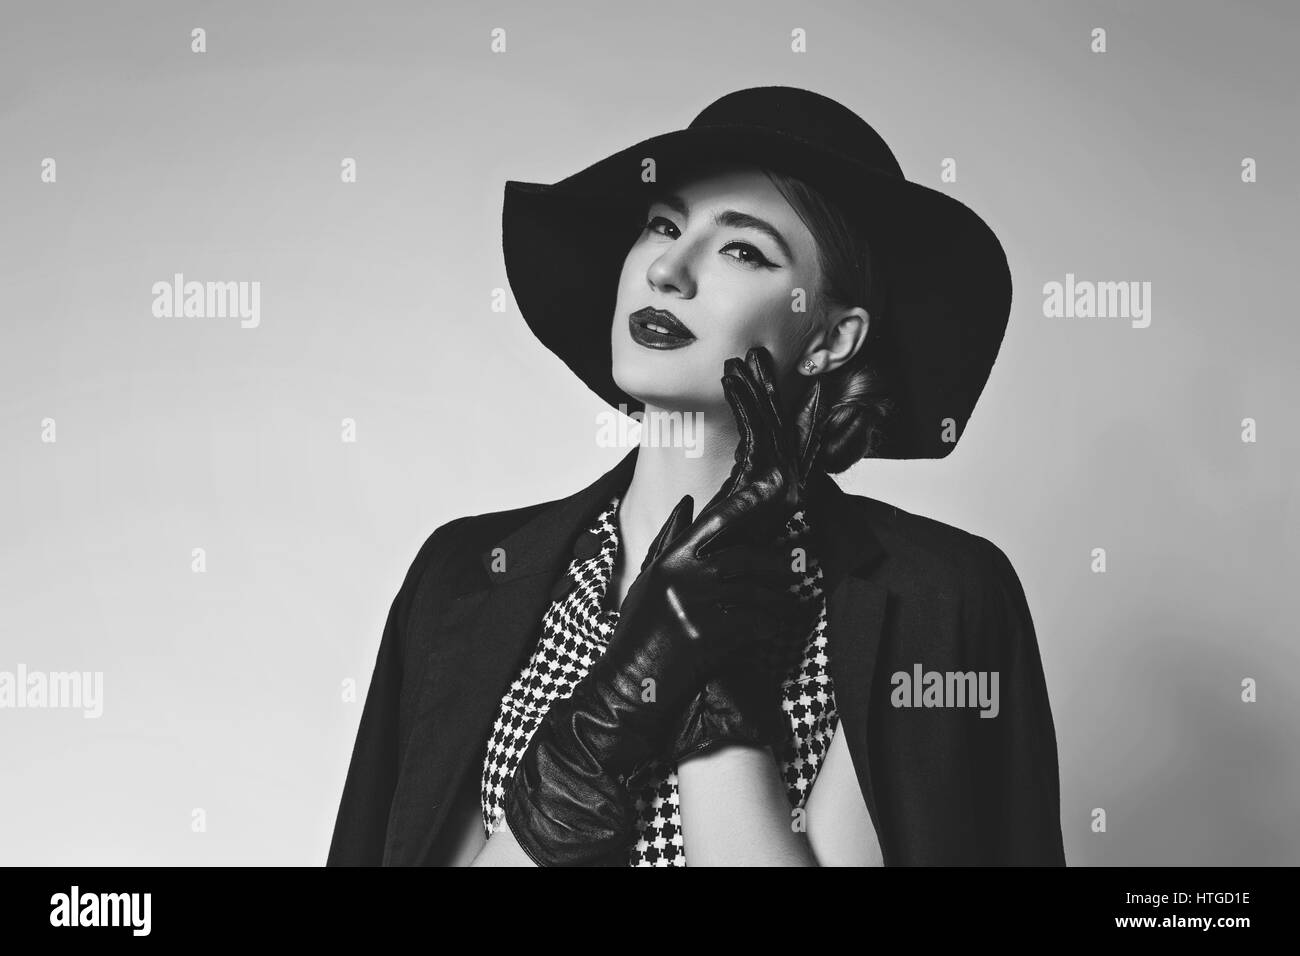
(943, 785)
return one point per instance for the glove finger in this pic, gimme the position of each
(745, 414)
(809, 424)
(776, 445)
(767, 428)
(759, 370)
(756, 512)
(679, 520)
(762, 371)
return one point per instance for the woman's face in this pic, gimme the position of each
(722, 254)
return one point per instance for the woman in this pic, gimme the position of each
(794, 676)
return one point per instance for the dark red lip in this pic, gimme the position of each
(658, 329)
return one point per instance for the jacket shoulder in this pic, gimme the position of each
(938, 558)
(453, 548)
(955, 594)
(958, 783)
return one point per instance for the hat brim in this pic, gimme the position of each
(949, 299)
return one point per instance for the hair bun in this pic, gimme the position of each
(855, 425)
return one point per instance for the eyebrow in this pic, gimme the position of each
(730, 218)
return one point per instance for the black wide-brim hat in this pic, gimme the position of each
(948, 285)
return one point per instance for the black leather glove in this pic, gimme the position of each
(707, 587)
(741, 701)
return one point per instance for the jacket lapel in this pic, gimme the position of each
(481, 635)
(855, 617)
(478, 642)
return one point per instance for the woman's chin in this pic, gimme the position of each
(647, 385)
(671, 403)
(669, 385)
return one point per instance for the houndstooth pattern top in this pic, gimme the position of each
(575, 629)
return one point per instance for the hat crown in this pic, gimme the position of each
(805, 115)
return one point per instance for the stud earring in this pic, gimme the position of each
(810, 366)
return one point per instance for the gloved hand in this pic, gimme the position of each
(707, 587)
(741, 701)
(766, 440)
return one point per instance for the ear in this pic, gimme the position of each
(845, 334)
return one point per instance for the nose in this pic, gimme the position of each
(671, 272)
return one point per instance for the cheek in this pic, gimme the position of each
(770, 321)
(623, 304)
(624, 278)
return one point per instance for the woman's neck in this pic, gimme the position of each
(661, 475)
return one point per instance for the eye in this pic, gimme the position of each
(650, 226)
(758, 258)
(751, 256)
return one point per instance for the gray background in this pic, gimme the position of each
(222, 690)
